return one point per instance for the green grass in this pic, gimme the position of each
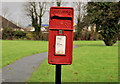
(14, 50)
(92, 62)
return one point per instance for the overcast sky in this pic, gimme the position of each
(17, 13)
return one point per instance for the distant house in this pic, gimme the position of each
(4, 23)
(44, 28)
(30, 28)
(91, 27)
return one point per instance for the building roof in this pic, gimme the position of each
(45, 24)
(6, 23)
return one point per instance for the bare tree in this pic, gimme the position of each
(36, 10)
(78, 17)
(61, 3)
(5, 12)
(80, 13)
(58, 2)
(42, 11)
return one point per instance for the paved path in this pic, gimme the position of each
(21, 70)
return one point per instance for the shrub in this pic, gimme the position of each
(44, 36)
(75, 36)
(19, 34)
(29, 36)
(0, 34)
(9, 34)
(106, 17)
(32, 36)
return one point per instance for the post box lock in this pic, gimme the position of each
(60, 31)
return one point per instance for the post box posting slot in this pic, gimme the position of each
(61, 17)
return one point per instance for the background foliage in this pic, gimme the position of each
(106, 16)
(10, 34)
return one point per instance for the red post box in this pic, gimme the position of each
(60, 35)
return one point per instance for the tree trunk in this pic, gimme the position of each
(111, 41)
(58, 4)
(40, 21)
(79, 31)
(108, 42)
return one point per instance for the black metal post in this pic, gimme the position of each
(58, 74)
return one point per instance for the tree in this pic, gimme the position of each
(59, 2)
(36, 10)
(79, 29)
(5, 12)
(106, 16)
(80, 14)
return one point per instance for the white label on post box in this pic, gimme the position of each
(60, 44)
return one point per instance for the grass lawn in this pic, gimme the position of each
(14, 50)
(92, 62)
